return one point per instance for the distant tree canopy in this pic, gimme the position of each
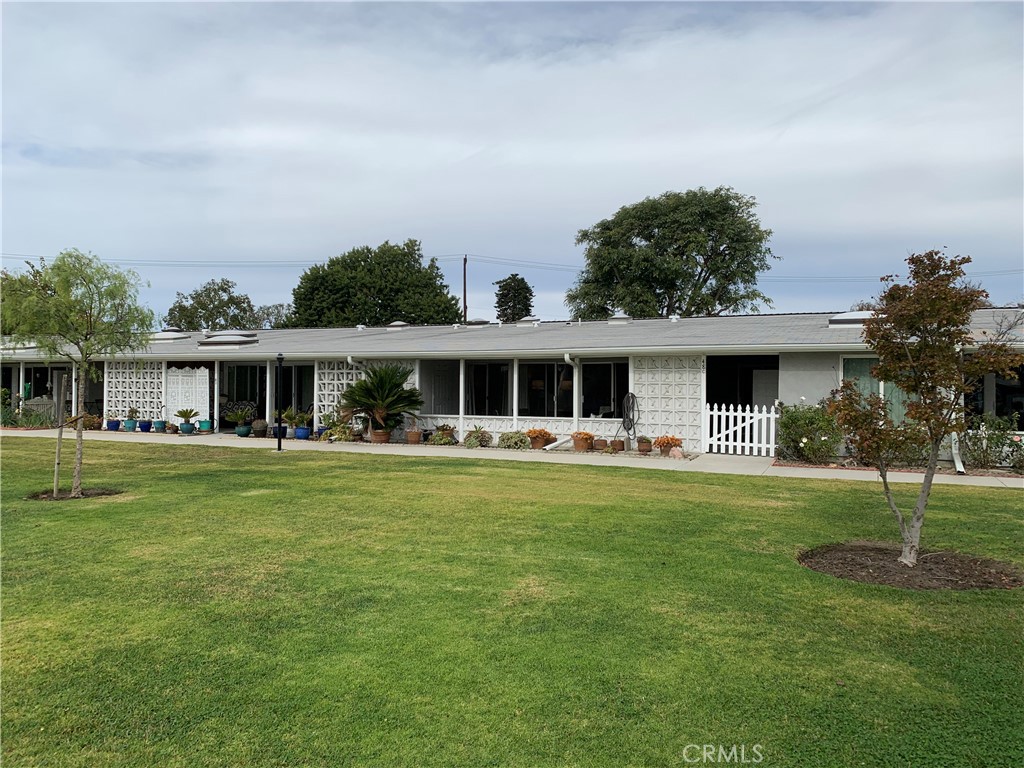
(514, 298)
(688, 253)
(374, 286)
(215, 306)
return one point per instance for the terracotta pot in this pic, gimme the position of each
(644, 447)
(550, 440)
(618, 445)
(666, 450)
(536, 443)
(414, 436)
(582, 445)
(447, 433)
(380, 435)
(600, 443)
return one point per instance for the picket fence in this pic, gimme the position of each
(745, 430)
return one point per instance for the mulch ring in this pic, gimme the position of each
(65, 495)
(874, 562)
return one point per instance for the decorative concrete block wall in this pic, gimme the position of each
(130, 385)
(670, 397)
(332, 378)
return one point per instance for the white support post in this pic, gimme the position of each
(21, 384)
(163, 416)
(270, 390)
(106, 393)
(316, 395)
(705, 429)
(577, 401)
(216, 396)
(74, 389)
(462, 397)
(515, 394)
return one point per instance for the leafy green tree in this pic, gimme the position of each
(374, 286)
(75, 309)
(215, 306)
(688, 253)
(921, 333)
(514, 298)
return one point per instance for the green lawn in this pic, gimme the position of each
(242, 608)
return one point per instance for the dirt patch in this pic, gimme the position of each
(940, 470)
(874, 562)
(87, 493)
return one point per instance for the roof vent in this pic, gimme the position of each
(360, 327)
(673, 318)
(526, 322)
(227, 340)
(397, 325)
(620, 320)
(847, 319)
(216, 334)
(168, 334)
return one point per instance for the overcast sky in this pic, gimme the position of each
(192, 141)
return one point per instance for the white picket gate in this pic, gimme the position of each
(746, 430)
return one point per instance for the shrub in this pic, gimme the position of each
(668, 441)
(442, 438)
(514, 441)
(479, 437)
(808, 433)
(989, 441)
(1016, 455)
(91, 421)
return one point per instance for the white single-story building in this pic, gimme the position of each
(563, 376)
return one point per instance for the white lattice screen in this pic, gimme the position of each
(670, 397)
(188, 388)
(130, 385)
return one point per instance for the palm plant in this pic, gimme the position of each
(381, 397)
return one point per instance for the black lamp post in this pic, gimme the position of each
(277, 398)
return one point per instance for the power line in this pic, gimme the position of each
(481, 259)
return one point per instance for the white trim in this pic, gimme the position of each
(515, 394)
(216, 397)
(269, 389)
(106, 393)
(462, 396)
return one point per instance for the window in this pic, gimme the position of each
(487, 389)
(999, 396)
(604, 386)
(859, 369)
(545, 389)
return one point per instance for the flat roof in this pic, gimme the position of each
(731, 334)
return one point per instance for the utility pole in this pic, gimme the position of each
(465, 309)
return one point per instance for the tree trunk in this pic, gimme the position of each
(912, 534)
(76, 483)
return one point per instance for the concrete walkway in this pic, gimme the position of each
(708, 462)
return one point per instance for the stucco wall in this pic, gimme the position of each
(808, 374)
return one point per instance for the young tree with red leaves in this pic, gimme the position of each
(921, 333)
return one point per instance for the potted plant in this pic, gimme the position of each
(113, 422)
(600, 443)
(414, 435)
(617, 445)
(643, 444)
(478, 438)
(448, 431)
(145, 425)
(131, 420)
(666, 443)
(259, 427)
(300, 424)
(186, 415)
(582, 441)
(205, 425)
(240, 417)
(286, 417)
(160, 425)
(382, 399)
(539, 438)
